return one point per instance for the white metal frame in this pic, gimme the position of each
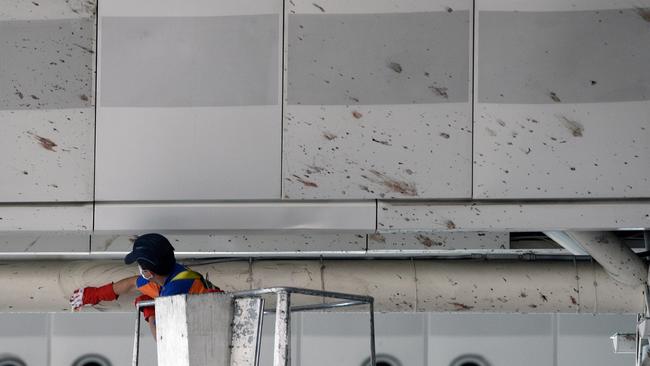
(283, 309)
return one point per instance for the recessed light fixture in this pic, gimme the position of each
(11, 361)
(92, 360)
(383, 360)
(469, 360)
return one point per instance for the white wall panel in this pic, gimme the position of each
(371, 109)
(584, 339)
(199, 122)
(25, 336)
(539, 216)
(502, 340)
(268, 329)
(108, 335)
(562, 100)
(344, 339)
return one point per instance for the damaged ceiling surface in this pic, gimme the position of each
(377, 139)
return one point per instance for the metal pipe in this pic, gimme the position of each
(616, 258)
(136, 339)
(260, 326)
(441, 286)
(373, 355)
(325, 306)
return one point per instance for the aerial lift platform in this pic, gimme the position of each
(225, 329)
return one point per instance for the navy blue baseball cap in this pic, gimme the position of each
(154, 252)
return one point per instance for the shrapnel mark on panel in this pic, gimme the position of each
(576, 128)
(460, 306)
(554, 97)
(440, 91)
(395, 67)
(84, 48)
(427, 241)
(306, 183)
(46, 143)
(393, 185)
(329, 136)
(381, 142)
(377, 237)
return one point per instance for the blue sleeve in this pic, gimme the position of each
(141, 281)
(177, 287)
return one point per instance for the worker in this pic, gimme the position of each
(160, 275)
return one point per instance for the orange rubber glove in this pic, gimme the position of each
(148, 311)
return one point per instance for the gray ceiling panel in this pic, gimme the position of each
(189, 61)
(46, 64)
(567, 57)
(399, 58)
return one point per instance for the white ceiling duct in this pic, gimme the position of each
(616, 258)
(566, 242)
(397, 285)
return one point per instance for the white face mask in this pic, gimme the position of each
(143, 275)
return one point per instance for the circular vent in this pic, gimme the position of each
(92, 360)
(383, 360)
(11, 361)
(469, 360)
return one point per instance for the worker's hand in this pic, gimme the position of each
(148, 311)
(92, 296)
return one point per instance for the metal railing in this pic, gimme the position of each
(283, 310)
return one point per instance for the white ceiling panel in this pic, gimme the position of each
(562, 119)
(46, 100)
(534, 216)
(236, 245)
(424, 241)
(372, 110)
(54, 218)
(358, 217)
(188, 153)
(51, 155)
(189, 101)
